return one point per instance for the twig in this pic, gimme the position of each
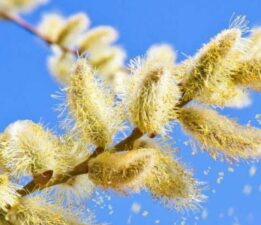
(127, 143)
(20, 22)
(82, 168)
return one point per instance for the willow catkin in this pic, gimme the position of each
(20, 6)
(51, 25)
(76, 189)
(248, 74)
(147, 168)
(220, 135)
(8, 193)
(121, 171)
(97, 37)
(35, 211)
(28, 149)
(172, 184)
(220, 89)
(74, 27)
(94, 111)
(210, 58)
(152, 92)
(107, 60)
(60, 65)
(255, 43)
(163, 53)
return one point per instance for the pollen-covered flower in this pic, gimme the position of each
(8, 193)
(210, 65)
(62, 31)
(248, 73)
(174, 185)
(107, 60)
(255, 43)
(20, 6)
(220, 92)
(220, 135)
(98, 37)
(96, 116)
(121, 171)
(162, 53)
(60, 65)
(146, 168)
(74, 191)
(78, 188)
(35, 211)
(153, 93)
(29, 149)
(75, 25)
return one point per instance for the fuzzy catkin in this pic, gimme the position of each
(74, 26)
(20, 6)
(147, 168)
(96, 117)
(220, 135)
(248, 74)
(210, 58)
(152, 92)
(255, 43)
(51, 25)
(60, 65)
(121, 171)
(35, 211)
(8, 193)
(172, 184)
(28, 149)
(98, 37)
(107, 60)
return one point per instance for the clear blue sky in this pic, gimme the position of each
(25, 90)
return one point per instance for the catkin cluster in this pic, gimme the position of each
(153, 93)
(103, 97)
(97, 43)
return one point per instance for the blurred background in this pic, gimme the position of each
(234, 191)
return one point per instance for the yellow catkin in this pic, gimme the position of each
(74, 26)
(2, 145)
(60, 65)
(248, 74)
(172, 184)
(20, 6)
(203, 74)
(147, 168)
(220, 135)
(8, 193)
(121, 171)
(163, 53)
(107, 60)
(35, 211)
(118, 82)
(221, 91)
(98, 37)
(51, 25)
(29, 149)
(76, 189)
(152, 93)
(94, 111)
(255, 42)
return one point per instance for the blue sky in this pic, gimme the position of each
(26, 88)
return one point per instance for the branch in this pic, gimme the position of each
(127, 143)
(42, 181)
(20, 22)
